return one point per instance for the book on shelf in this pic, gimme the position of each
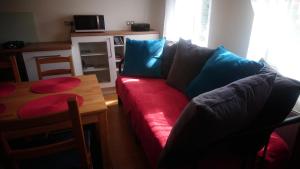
(118, 40)
(119, 58)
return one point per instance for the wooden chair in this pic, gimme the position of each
(44, 60)
(11, 63)
(27, 128)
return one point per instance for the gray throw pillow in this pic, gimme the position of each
(213, 116)
(282, 99)
(188, 62)
(167, 58)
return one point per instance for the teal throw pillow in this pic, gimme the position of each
(142, 58)
(221, 69)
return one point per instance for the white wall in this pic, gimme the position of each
(49, 15)
(157, 14)
(231, 24)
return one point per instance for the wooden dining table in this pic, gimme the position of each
(92, 111)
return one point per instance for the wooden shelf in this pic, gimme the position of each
(95, 69)
(93, 54)
(39, 46)
(113, 33)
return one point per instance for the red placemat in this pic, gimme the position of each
(55, 85)
(7, 89)
(47, 105)
(2, 108)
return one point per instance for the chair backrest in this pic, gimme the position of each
(44, 60)
(24, 128)
(11, 63)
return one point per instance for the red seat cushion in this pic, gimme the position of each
(277, 153)
(153, 108)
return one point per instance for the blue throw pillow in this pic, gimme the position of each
(142, 57)
(221, 69)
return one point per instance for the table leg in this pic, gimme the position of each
(103, 130)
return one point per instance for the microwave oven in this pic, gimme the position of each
(89, 23)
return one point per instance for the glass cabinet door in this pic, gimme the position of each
(94, 60)
(97, 58)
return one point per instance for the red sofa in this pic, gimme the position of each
(153, 108)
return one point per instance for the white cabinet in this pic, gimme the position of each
(95, 55)
(100, 53)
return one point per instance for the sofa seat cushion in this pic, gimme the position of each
(153, 108)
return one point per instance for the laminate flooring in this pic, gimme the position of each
(124, 149)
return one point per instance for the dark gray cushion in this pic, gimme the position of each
(188, 62)
(282, 99)
(213, 115)
(167, 58)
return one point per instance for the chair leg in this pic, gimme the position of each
(249, 161)
(14, 164)
(120, 101)
(15, 68)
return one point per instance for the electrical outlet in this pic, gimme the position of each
(129, 23)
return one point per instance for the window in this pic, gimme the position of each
(188, 19)
(276, 36)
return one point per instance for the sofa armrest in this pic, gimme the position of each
(290, 121)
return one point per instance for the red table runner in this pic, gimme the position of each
(2, 108)
(47, 105)
(55, 85)
(7, 89)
